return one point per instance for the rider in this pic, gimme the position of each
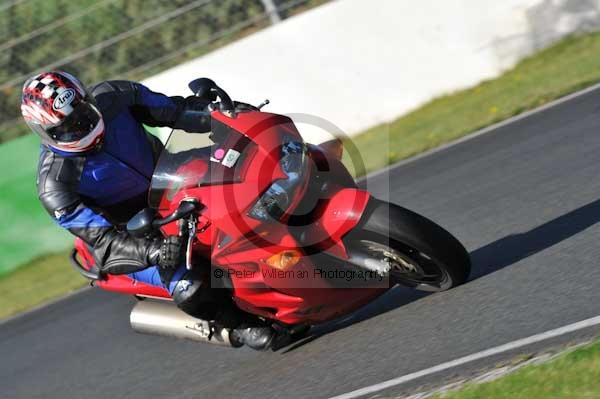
(94, 171)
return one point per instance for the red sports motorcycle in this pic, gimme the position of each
(287, 233)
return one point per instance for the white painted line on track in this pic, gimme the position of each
(594, 321)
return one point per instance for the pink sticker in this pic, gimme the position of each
(219, 153)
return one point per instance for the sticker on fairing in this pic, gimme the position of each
(230, 158)
(218, 155)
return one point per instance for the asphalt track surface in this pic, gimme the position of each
(525, 201)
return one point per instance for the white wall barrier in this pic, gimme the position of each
(359, 63)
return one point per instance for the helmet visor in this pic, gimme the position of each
(77, 125)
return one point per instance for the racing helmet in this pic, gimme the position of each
(58, 107)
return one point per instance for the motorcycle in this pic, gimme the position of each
(278, 225)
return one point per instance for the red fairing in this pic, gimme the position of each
(126, 285)
(86, 257)
(262, 257)
(340, 215)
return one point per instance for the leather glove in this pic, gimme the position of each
(194, 117)
(168, 253)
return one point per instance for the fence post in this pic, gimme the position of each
(271, 10)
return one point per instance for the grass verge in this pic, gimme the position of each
(43, 279)
(26, 230)
(568, 66)
(574, 374)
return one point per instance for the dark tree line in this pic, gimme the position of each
(105, 39)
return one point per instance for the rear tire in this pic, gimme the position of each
(409, 248)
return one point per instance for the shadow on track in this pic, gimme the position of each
(486, 260)
(395, 298)
(516, 247)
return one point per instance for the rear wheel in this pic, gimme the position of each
(409, 248)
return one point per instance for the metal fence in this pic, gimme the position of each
(125, 39)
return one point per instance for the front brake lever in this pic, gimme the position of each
(191, 231)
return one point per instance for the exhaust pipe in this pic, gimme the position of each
(165, 319)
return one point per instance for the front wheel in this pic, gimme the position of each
(408, 248)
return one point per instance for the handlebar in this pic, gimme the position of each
(203, 86)
(145, 223)
(185, 209)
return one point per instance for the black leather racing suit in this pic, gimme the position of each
(94, 194)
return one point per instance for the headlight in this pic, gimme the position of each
(293, 158)
(276, 200)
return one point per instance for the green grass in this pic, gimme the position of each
(570, 65)
(45, 278)
(572, 375)
(26, 229)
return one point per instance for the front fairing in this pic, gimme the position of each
(226, 169)
(232, 239)
(192, 160)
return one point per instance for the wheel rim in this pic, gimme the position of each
(406, 266)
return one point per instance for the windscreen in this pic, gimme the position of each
(192, 160)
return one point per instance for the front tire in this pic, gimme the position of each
(409, 248)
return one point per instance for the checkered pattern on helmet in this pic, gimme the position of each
(40, 92)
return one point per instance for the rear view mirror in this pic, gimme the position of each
(200, 87)
(141, 224)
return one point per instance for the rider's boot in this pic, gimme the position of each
(192, 294)
(262, 337)
(259, 338)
